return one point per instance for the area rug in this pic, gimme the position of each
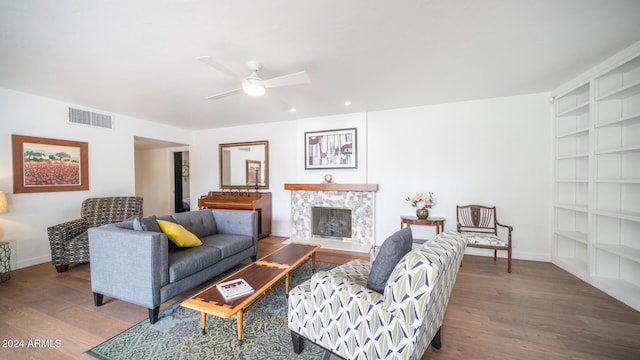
(177, 333)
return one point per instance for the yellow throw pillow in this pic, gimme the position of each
(178, 234)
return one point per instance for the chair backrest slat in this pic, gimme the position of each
(477, 218)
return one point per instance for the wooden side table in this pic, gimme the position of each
(438, 222)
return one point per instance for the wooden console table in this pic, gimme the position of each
(242, 200)
(438, 222)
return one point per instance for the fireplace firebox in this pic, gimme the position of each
(331, 222)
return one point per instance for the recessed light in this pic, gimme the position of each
(347, 103)
(293, 110)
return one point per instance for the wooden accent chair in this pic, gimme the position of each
(481, 226)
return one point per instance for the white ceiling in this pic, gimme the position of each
(139, 57)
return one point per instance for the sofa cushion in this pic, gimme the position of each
(178, 234)
(200, 222)
(228, 244)
(184, 262)
(147, 223)
(392, 250)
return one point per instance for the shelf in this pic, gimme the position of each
(573, 235)
(617, 181)
(618, 150)
(625, 215)
(623, 92)
(574, 207)
(574, 156)
(575, 266)
(576, 110)
(622, 290)
(626, 252)
(578, 90)
(584, 131)
(625, 67)
(572, 181)
(623, 121)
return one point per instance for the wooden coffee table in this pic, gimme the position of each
(263, 275)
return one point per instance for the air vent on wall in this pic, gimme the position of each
(89, 118)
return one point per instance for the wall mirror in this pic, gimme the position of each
(244, 164)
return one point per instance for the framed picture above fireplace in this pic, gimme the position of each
(331, 149)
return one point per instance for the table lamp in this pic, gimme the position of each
(4, 206)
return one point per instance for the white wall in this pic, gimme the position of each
(487, 152)
(286, 159)
(493, 152)
(111, 167)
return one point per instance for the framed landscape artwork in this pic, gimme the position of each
(42, 165)
(331, 149)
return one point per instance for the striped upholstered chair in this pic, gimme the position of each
(480, 226)
(69, 241)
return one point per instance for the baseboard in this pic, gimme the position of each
(515, 255)
(30, 262)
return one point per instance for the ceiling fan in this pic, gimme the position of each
(253, 85)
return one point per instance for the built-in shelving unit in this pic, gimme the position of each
(571, 199)
(597, 180)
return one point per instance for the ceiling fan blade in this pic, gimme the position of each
(214, 64)
(286, 80)
(224, 94)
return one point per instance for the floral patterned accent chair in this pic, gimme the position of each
(69, 241)
(480, 226)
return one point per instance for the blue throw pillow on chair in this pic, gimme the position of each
(394, 248)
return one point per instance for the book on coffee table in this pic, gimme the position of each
(234, 288)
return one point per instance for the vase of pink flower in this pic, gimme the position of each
(422, 202)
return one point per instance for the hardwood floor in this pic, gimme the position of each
(537, 312)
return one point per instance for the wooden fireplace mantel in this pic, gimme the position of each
(332, 187)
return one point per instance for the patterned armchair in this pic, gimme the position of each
(69, 241)
(480, 226)
(337, 311)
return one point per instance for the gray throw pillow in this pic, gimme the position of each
(394, 248)
(148, 223)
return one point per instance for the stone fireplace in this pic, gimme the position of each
(334, 207)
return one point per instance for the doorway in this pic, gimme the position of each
(182, 198)
(155, 179)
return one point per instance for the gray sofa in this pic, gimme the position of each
(143, 267)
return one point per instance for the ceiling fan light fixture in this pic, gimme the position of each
(253, 87)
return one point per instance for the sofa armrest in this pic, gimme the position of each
(66, 230)
(237, 222)
(129, 265)
(409, 286)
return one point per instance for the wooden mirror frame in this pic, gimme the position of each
(224, 153)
